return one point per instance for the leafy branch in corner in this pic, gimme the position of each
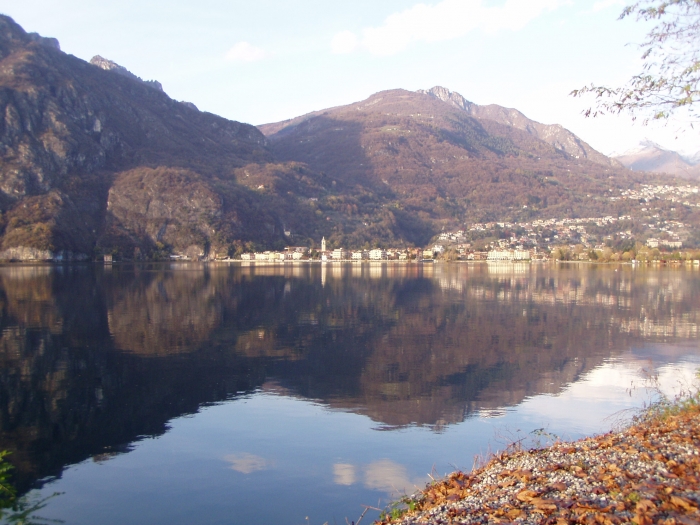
(669, 81)
(19, 510)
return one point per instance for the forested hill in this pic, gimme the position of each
(97, 161)
(94, 160)
(433, 160)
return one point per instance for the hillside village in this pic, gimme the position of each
(645, 237)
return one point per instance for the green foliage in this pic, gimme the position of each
(19, 510)
(8, 494)
(396, 509)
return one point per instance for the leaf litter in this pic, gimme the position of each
(648, 473)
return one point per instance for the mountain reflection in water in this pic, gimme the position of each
(95, 358)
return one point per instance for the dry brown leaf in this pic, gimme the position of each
(645, 505)
(642, 519)
(526, 495)
(683, 503)
(543, 504)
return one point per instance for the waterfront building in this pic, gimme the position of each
(377, 254)
(500, 255)
(339, 254)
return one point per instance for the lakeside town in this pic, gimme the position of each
(515, 249)
(651, 236)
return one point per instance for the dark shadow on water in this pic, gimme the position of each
(95, 358)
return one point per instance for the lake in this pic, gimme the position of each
(182, 393)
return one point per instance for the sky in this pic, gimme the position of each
(270, 60)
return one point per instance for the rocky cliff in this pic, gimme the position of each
(93, 159)
(108, 65)
(556, 135)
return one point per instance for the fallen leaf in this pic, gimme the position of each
(526, 495)
(645, 505)
(683, 503)
(543, 504)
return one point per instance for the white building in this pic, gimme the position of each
(521, 255)
(500, 255)
(672, 244)
(377, 254)
(339, 254)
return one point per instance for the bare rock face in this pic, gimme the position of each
(71, 136)
(108, 65)
(23, 253)
(451, 97)
(553, 134)
(173, 207)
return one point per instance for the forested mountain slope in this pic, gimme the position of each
(418, 162)
(94, 160)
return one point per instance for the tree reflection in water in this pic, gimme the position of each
(95, 358)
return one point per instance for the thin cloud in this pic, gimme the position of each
(245, 52)
(446, 20)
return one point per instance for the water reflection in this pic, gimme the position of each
(247, 463)
(344, 474)
(390, 477)
(383, 475)
(93, 359)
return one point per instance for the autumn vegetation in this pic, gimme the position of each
(644, 474)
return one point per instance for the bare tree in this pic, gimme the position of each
(668, 83)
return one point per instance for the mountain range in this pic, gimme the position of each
(95, 160)
(651, 157)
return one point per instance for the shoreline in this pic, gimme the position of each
(647, 473)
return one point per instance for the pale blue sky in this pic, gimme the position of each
(269, 60)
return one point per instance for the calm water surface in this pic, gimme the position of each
(227, 394)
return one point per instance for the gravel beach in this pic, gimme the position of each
(647, 473)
